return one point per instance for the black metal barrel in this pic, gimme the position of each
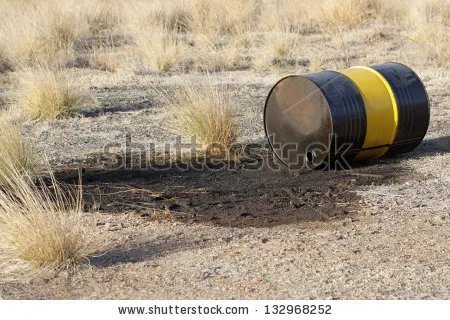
(361, 113)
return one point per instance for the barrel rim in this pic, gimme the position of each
(421, 82)
(265, 112)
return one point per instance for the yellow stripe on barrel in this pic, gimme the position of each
(381, 111)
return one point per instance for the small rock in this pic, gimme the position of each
(296, 204)
(225, 239)
(419, 204)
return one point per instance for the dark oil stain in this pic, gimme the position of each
(234, 198)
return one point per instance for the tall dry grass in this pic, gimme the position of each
(41, 228)
(216, 17)
(57, 33)
(211, 56)
(103, 16)
(14, 153)
(430, 29)
(39, 32)
(159, 49)
(203, 111)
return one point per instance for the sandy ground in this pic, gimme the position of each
(377, 231)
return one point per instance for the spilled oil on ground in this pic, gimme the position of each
(234, 198)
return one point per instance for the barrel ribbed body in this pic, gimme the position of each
(361, 113)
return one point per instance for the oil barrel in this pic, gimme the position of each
(361, 113)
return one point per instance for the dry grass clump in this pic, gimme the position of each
(280, 50)
(35, 32)
(429, 11)
(45, 94)
(104, 59)
(434, 43)
(431, 30)
(283, 44)
(159, 49)
(21, 42)
(40, 226)
(359, 13)
(205, 111)
(212, 18)
(63, 28)
(212, 57)
(41, 229)
(290, 16)
(102, 16)
(14, 152)
(350, 13)
(311, 16)
(171, 15)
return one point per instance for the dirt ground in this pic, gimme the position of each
(380, 230)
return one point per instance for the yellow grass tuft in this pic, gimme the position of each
(46, 94)
(171, 15)
(349, 13)
(102, 16)
(283, 44)
(280, 49)
(210, 56)
(62, 30)
(204, 111)
(14, 152)
(41, 229)
(103, 59)
(159, 49)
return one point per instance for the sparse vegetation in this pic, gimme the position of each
(165, 33)
(205, 112)
(135, 70)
